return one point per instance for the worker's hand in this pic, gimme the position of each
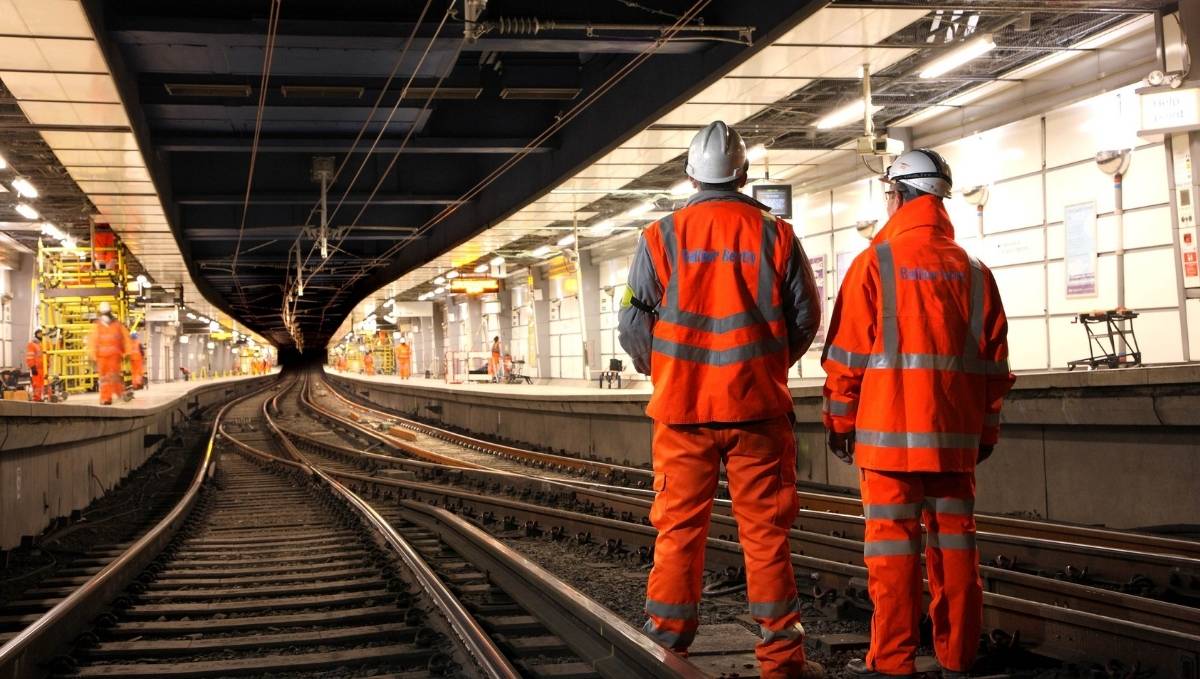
(842, 445)
(984, 453)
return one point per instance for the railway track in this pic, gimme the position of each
(1111, 622)
(409, 533)
(273, 567)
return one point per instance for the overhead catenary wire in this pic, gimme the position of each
(450, 7)
(268, 58)
(557, 125)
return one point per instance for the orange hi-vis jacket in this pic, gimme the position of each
(33, 356)
(917, 351)
(721, 302)
(109, 342)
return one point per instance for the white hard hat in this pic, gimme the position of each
(105, 308)
(923, 170)
(717, 155)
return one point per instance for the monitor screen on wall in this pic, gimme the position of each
(778, 197)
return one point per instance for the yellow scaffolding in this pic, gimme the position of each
(384, 352)
(69, 289)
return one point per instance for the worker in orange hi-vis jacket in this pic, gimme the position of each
(137, 362)
(917, 367)
(404, 359)
(494, 364)
(107, 345)
(368, 363)
(721, 301)
(35, 360)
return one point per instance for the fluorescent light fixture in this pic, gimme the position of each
(3, 163)
(23, 187)
(602, 228)
(970, 50)
(191, 316)
(756, 153)
(482, 268)
(214, 326)
(639, 211)
(27, 211)
(204, 320)
(540, 251)
(498, 260)
(683, 188)
(439, 290)
(440, 280)
(845, 115)
(566, 241)
(451, 275)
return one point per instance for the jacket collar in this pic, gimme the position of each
(705, 196)
(923, 211)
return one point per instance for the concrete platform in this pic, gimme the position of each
(56, 458)
(1118, 447)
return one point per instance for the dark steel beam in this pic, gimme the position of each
(311, 198)
(327, 144)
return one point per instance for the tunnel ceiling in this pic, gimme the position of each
(480, 96)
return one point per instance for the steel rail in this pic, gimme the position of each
(1110, 568)
(1057, 632)
(1037, 587)
(23, 655)
(825, 502)
(474, 639)
(611, 646)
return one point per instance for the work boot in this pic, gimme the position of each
(106, 403)
(858, 668)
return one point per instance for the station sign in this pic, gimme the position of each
(472, 285)
(1165, 110)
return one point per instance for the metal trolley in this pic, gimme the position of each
(1111, 345)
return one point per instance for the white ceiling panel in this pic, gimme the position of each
(61, 86)
(108, 141)
(124, 200)
(117, 187)
(109, 173)
(92, 158)
(70, 113)
(59, 18)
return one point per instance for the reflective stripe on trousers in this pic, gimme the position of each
(668, 638)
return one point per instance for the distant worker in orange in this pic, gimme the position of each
(494, 360)
(917, 367)
(35, 360)
(404, 359)
(369, 362)
(107, 344)
(137, 362)
(721, 302)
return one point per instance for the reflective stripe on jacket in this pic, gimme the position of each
(917, 355)
(734, 305)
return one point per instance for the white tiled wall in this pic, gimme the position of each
(1035, 168)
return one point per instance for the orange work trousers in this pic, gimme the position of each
(112, 382)
(38, 384)
(894, 504)
(760, 463)
(405, 370)
(137, 370)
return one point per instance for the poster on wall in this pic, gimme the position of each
(818, 267)
(844, 260)
(1079, 227)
